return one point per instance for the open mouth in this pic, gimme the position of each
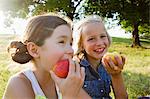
(99, 50)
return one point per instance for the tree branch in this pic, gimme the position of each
(78, 3)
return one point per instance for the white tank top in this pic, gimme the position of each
(35, 85)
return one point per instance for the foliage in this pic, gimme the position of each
(128, 10)
(23, 7)
(130, 13)
(15, 8)
(145, 31)
(133, 15)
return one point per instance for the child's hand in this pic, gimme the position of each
(113, 63)
(71, 85)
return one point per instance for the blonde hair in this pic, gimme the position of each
(77, 33)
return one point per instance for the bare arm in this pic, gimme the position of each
(119, 87)
(116, 74)
(18, 88)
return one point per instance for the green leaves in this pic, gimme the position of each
(131, 13)
(15, 8)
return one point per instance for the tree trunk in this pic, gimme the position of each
(135, 36)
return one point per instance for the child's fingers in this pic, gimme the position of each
(79, 71)
(111, 64)
(77, 67)
(54, 77)
(75, 58)
(123, 59)
(104, 61)
(71, 67)
(106, 65)
(109, 69)
(83, 73)
(119, 62)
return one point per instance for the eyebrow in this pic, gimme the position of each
(62, 36)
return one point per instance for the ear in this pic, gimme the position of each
(33, 49)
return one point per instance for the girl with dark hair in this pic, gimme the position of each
(47, 40)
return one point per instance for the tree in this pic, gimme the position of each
(8, 22)
(145, 32)
(131, 13)
(15, 8)
(68, 7)
(19, 7)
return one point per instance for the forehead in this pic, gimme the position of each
(93, 28)
(62, 30)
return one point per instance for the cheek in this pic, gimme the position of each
(52, 58)
(57, 55)
(107, 42)
(89, 46)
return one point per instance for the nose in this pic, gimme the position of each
(70, 50)
(99, 41)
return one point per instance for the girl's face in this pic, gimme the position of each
(94, 40)
(57, 47)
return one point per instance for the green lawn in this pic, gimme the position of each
(136, 72)
(137, 68)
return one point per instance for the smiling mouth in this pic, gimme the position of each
(100, 50)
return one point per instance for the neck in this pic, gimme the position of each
(94, 63)
(42, 76)
(45, 81)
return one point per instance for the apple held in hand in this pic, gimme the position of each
(112, 56)
(61, 68)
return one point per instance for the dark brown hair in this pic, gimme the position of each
(37, 30)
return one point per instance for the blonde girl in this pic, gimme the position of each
(91, 42)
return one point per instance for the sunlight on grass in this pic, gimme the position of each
(137, 68)
(136, 72)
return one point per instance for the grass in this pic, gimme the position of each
(137, 67)
(4, 62)
(136, 71)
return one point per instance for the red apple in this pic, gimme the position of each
(61, 68)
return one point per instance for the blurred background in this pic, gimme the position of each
(127, 21)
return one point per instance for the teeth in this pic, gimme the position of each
(99, 50)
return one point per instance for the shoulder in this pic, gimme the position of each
(19, 86)
(19, 79)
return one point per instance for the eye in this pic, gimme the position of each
(61, 42)
(90, 39)
(103, 36)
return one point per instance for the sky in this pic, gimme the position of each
(19, 26)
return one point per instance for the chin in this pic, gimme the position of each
(100, 56)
